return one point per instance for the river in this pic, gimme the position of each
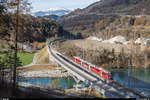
(135, 79)
(62, 82)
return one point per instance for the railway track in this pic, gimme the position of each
(107, 87)
(115, 95)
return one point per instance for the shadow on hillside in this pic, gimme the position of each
(67, 35)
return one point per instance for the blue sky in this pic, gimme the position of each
(69, 4)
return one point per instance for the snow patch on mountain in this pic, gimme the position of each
(52, 11)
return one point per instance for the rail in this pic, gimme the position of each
(104, 88)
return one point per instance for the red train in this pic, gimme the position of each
(100, 71)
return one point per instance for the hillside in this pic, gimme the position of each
(107, 54)
(129, 7)
(97, 16)
(32, 28)
(53, 17)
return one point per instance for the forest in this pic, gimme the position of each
(17, 26)
(29, 28)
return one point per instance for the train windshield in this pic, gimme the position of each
(109, 74)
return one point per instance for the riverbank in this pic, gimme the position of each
(80, 92)
(38, 71)
(52, 71)
(38, 74)
(85, 92)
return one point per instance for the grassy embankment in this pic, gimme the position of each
(5, 47)
(43, 56)
(25, 58)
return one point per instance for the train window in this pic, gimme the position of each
(86, 64)
(98, 70)
(103, 73)
(92, 67)
(78, 60)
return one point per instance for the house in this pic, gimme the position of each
(27, 47)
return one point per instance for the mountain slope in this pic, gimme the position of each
(54, 17)
(85, 19)
(130, 7)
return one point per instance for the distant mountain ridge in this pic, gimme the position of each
(129, 7)
(52, 11)
(53, 17)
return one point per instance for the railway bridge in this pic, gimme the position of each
(104, 87)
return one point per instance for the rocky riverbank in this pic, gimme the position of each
(38, 71)
(48, 73)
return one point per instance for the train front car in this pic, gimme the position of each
(109, 76)
(98, 70)
(76, 59)
(106, 74)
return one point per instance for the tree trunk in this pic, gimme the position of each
(15, 55)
